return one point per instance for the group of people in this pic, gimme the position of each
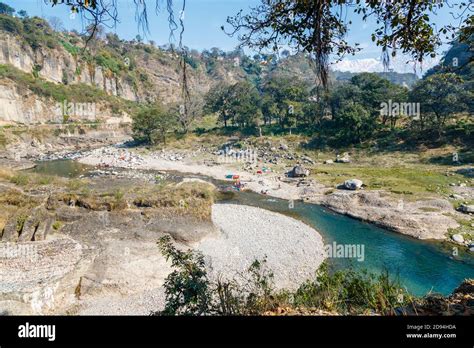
(238, 185)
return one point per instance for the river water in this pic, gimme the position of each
(421, 266)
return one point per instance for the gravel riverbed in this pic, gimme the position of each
(292, 249)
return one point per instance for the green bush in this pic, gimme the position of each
(36, 69)
(191, 61)
(11, 25)
(3, 139)
(353, 292)
(106, 60)
(37, 32)
(187, 287)
(72, 49)
(189, 291)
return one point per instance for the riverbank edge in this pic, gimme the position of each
(274, 186)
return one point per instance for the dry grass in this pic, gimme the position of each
(6, 174)
(191, 198)
(28, 180)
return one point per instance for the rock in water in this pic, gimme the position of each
(298, 172)
(353, 184)
(458, 238)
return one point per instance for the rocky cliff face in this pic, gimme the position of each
(59, 66)
(20, 105)
(94, 251)
(26, 107)
(23, 105)
(156, 77)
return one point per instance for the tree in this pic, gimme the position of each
(6, 10)
(189, 112)
(23, 14)
(319, 28)
(353, 123)
(217, 100)
(113, 41)
(342, 96)
(287, 95)
(250, 66)
(95, 32)
(370, 91)
(459, 59)
(189, 291)
(374, 90)
(151, 125)
(270, 109)
(440, 97)
(314, 112)
(397, 94)
(238, 103)
(244, 107)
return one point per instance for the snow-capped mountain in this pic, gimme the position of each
(399, 65)
(358, 65)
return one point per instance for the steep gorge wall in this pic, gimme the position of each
(162, 79)
(21, 105)
(55, 65)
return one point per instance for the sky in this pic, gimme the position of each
(204, 18)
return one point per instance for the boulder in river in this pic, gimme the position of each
(298, 172)
(353, 184)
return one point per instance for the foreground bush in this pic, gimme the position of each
(189, 291)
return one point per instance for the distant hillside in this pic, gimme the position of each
(459, 59)
(295, 66)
